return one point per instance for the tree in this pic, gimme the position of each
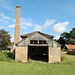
(62, 41)
(67, 38)
(4, 39)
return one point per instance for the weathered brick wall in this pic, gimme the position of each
(54, 54)
(21, 54)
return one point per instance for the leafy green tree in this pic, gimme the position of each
(62, 41)
(67, 38)
(4, 39)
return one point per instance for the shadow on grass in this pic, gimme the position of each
(70, 54)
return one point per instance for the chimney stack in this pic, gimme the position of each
(17, 26)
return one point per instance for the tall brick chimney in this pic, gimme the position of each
(17, 25)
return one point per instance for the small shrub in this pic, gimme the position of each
(62, 58)
(29, 60)
(9, 57)
(63, 49)
(3, 56)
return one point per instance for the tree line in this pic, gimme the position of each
(67, 38)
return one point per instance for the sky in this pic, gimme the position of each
(52, 17)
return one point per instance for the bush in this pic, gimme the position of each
(11, 55)
(62, 58)
(63, 49)
(3, 56)
(6, 57)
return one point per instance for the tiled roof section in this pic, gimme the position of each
(70, 46)
(30, 34)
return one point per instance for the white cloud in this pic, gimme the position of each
(46, 24)
(5, 20)
(12, 38)
(6, 17)
(25, 32)
(38, 28)
(27, 22)
(12, 26)
(1, 27)
(57, 37)
(24, 23)
(60, 27)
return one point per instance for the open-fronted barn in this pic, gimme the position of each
(35, 46)
(38, 46)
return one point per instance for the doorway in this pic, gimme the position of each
(38, 53)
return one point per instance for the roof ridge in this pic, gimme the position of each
(37, 32)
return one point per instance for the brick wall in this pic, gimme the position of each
(54, 54)
(21, 54)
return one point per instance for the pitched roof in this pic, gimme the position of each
(30, 34)
(70, 46)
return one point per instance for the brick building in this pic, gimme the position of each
(36, 45)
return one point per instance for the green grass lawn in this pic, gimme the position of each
(69, 58)
(67, 67)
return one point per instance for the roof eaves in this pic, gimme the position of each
(66, 46)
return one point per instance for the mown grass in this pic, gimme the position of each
(69, 58)
(67, 67)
